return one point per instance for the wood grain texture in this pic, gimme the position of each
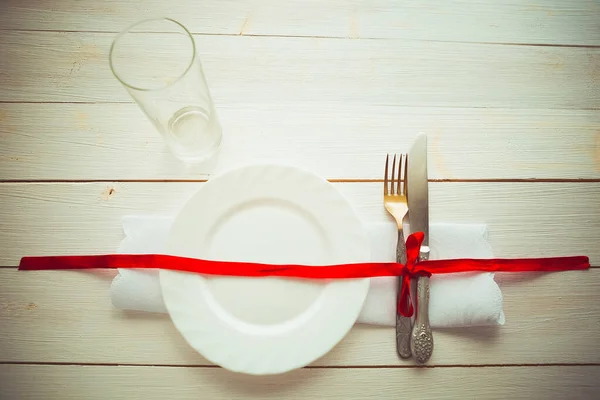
(29, 382)
(116, 141)
(505, 90)
(518, 21)
(94, 382)
(73, 67)
(524, 219)
(67, 317)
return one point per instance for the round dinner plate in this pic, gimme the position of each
(268, 214)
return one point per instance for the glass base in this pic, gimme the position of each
(193, 135)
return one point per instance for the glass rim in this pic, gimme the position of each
(127, 30)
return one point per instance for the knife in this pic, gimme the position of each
(418, 205)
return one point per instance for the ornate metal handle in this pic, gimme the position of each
(403, 324)
(422, 337)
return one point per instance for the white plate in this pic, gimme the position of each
(269, 214)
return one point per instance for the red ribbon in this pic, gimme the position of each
(413, 267)
(410, 270)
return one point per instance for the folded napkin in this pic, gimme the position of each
(464, 299)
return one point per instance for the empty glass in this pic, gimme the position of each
(156, 61)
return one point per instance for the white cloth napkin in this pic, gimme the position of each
(465, 299)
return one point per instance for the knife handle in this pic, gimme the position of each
(422, 337)
(403, 324)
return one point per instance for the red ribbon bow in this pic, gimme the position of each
(411, 269)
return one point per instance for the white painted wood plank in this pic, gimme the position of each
(67, 317)
(517, 21)
(73, 67)
(116, 141)
(25, 382)
(525, 219)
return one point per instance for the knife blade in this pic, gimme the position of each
(418, 189)
(418, 205)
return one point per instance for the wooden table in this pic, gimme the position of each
(508, 93)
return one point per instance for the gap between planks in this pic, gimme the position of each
(318, 37)
(375, 105)
(337, 180)
(307, 367)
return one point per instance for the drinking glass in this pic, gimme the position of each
(156, 61)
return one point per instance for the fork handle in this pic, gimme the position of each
(403, 324)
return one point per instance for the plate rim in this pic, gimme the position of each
(356, 288)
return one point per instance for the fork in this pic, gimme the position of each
(396, 203)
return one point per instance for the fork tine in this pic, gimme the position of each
(385, 176)
(405, 176)
(393, 173)
(400, 189)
